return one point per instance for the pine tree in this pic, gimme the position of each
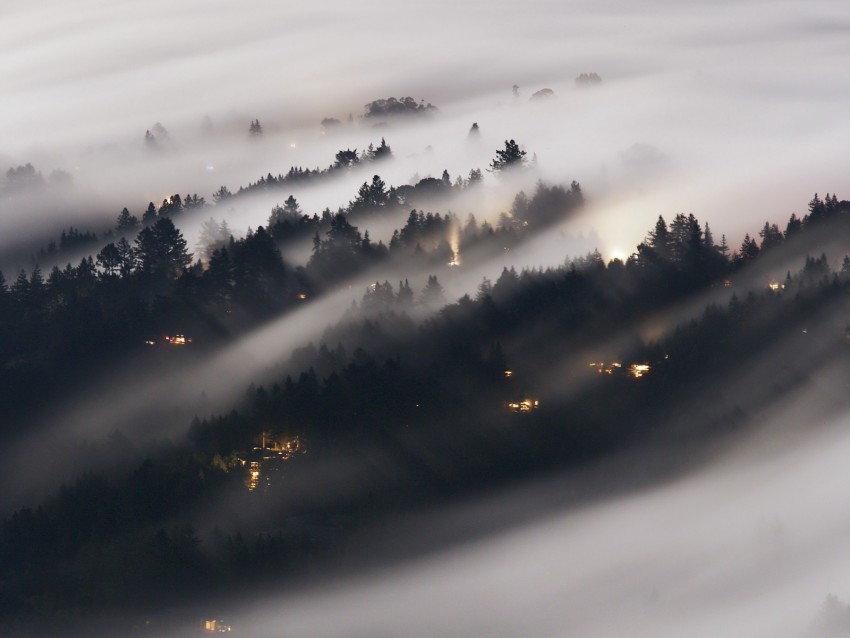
(510, 157)
(708, 238)
(127, 222)
(161, 250)
(659, 239)
(126, 257)
(211, 237)
(844, 273)
(771, 236)
(382, 152)
(405, 295)
(20, 290)
(109, 259)
(817, 209)
(795, 225)
(149, 216)
(485, 289)
(748, 251)
(37, 287)
(723, 249)
(221, 194)
(432, 297)
(346, 158)
(371, 196)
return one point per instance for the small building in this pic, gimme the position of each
(216, 625)
(523, 405)
(601, 367)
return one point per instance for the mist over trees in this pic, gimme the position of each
(509, 158)
(286, 349)
(413, 397)
(392, 107)
(379, 375)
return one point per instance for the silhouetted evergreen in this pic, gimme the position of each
(510, 157)
(392, 107)
(431, 401)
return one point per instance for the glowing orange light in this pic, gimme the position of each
(525, 405)
(637, 370)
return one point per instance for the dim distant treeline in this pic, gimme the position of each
(392, 107)
(72, 318)
(287, 222)
(344, 160)
(76, 318)
(552, 313)
(430, 401)
(25, 181)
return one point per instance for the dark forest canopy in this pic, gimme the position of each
(345, 159)
(465, 382)
(392, 107)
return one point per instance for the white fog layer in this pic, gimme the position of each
(727, 110)
(734, 111)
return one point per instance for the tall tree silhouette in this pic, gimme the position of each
(510, 157)
(161, 250)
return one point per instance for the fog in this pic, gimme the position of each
(740, 108)
(751, 544)
(750, 547)
(736, 112)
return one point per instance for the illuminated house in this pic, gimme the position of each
(266, 460)
(634, 370)
(606, 368)
(637, 370)
(283, 446)
(252, 480)
(177, 340)
(216, 626)
(523, 405)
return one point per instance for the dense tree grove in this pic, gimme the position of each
(488, 389)
(344, 160)
(392, 107)
(510, 157)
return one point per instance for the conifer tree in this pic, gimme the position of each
(126, 222)
(149, 216)
(510, 157)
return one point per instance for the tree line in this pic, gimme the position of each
(429, 400)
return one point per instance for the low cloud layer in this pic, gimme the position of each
(746, 103)
(734, 111)
(750, 545)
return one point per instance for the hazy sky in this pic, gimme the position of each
(736, 111)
